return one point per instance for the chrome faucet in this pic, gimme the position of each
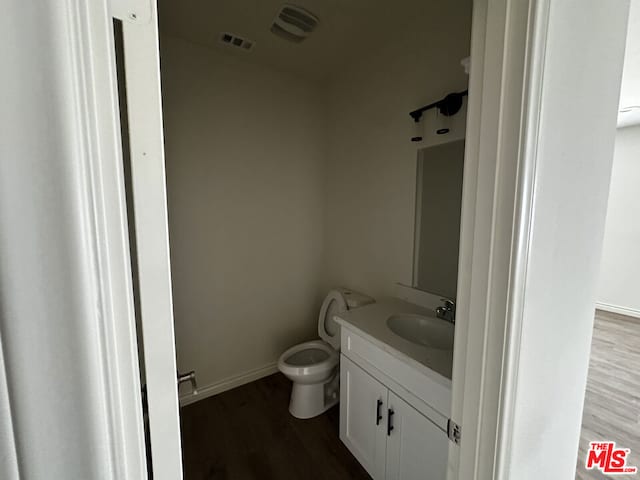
(447, 311)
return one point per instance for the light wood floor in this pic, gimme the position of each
(612, 401)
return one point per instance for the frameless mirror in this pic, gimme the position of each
(437, 223)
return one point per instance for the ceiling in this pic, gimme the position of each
(347, 28)
(630, 93)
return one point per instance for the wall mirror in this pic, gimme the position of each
(437, 222)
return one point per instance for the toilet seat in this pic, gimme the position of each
(308, 359)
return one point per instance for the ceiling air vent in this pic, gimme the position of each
(294, 23)
(236, 41)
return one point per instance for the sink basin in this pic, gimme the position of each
(431, 332)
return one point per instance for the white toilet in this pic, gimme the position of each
(313, 366)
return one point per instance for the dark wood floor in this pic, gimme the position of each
(248, 433)
(612, 401)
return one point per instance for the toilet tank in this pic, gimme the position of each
(355, 299)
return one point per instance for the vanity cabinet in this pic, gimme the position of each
(416, 448)
(390, 438)
(363, 416)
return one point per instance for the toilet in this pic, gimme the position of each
(313, 366)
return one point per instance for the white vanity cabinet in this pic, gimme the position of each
(416, 448)
(363, 417)
(390, 438)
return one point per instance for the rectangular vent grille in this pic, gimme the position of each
(236, 41)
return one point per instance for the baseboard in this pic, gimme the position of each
(629, 312)
(229, 383)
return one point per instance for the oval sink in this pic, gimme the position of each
(428, 331)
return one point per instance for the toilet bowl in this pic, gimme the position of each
(313, 366)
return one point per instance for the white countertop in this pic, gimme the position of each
(371, 322)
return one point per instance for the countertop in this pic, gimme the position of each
(371, 322)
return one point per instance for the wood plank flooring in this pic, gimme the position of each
(612, 402)
(247, 433)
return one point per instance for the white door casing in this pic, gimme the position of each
(67, 325)
(545, 77)
(498, 53)
(144, 110)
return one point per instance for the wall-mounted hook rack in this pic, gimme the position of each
(447, 106)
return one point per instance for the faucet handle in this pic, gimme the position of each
(447, 311)
(448, 303)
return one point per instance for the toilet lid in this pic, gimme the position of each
(328, 329)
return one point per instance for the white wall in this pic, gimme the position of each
(619, 288)
(371, 166)
(245, 172)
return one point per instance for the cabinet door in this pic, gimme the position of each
(363, 410)
(416, 448)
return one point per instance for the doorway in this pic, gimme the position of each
(272, 147)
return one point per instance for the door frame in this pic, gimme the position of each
(516, 81)
(97, 130)
(502, 190)
(500, 42)
(149, 196)
(97, 69)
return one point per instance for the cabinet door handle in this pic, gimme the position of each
(378, 414)
(390, 413)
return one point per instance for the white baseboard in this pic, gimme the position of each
(630, 312)
(229, 383)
